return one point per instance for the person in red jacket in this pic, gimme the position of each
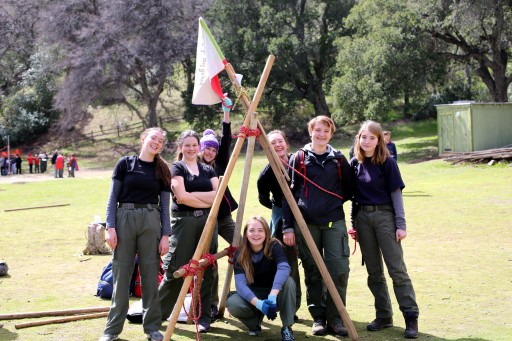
(30, 160)
(59, 165)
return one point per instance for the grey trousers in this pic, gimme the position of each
(250, 316)
(376, 232)
(183, 241)
(138, 231)
(332, 242)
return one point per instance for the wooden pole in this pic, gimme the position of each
(53, 313)
(267, 148)
(181, 272)
(212, 217)
(60, 320)
(34, 207)
(239, 215)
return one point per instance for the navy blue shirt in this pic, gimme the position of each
(374, 183)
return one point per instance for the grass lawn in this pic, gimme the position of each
(458, 253)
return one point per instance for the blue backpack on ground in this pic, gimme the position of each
(106, 283)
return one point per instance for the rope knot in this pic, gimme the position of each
(231, 253)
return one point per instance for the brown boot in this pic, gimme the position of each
(380, 323)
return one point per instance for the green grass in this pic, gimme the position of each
(458, 252)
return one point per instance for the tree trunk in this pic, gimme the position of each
(407, 104)
(317, 97)
(152, 117)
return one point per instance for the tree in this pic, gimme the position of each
(120, 51)
(18, 19)
(387, 60)
(299, 33)
(473, 30)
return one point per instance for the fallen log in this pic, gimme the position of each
(53, 313)
(481, 156)
(60, 320)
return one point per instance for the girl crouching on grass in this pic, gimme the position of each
(262, 280)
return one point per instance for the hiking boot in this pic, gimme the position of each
(287, 334)
(380, 323)
(337, 328)
(318, 326)
(109, 337)
(155, 336)
(411, 328)
(255, 332)
(214, 312)
(203, 327)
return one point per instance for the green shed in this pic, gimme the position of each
(469, 127)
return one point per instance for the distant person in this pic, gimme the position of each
(262, 280)
(138, 222)
(37, 162)
(54, 157)
(390, 145)
(72, 165)
(379, 218)
(59, 166)
(18, 160)
(30, 160)
(44, 161)
(351, 152)
(3, 164)
(12, 163)
(217, 155)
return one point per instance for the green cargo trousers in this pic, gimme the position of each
(376, 233)
(138, 231)
(250, 316)
(332, 242)
(183, 241)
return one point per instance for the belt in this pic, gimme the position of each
(195, 213)
(375, 208)
(131, 206)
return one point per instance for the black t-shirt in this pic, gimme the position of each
(140, 182)
(193, 183)
(374, 183)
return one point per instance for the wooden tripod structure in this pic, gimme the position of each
(251, 122)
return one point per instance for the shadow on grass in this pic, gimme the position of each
(7, 335)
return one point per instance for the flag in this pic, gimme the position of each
(209, 63)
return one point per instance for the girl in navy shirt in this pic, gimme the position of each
(379, 218)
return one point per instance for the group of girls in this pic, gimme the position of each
(266, 267)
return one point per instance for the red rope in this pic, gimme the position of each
(231, 252)
(353, 234)
(310, 181)
(211, 260)
(193, 271)
(246, 132)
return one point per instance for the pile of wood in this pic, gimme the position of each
(482, 156)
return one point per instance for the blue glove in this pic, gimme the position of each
(267, 308)
(227, 104)
(272, 298)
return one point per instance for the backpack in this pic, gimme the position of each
(135, 283)
(302, 168)
(106, 283)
